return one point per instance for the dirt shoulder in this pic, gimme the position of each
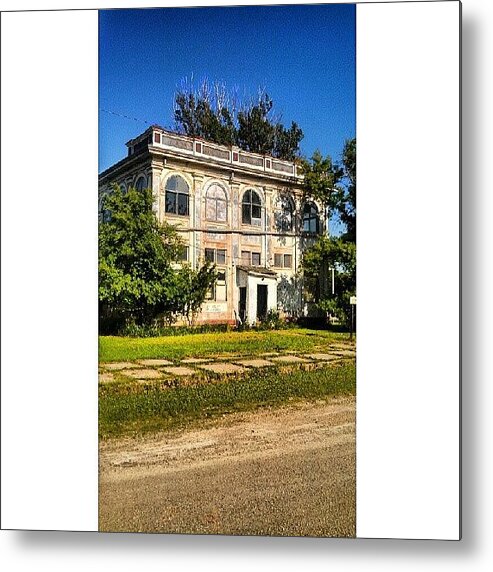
(282, 471)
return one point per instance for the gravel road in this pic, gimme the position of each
(287, 472)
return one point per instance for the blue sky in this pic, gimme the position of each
(303, 55)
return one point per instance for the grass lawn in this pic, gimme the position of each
(201, 345)
(131, 410)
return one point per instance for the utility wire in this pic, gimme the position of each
(126, 116)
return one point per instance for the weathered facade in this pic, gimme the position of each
(240, 210)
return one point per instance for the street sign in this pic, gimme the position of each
(352, 300)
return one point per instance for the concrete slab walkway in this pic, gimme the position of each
(159, 369)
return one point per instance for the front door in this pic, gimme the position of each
(261, 301)
(242, 304)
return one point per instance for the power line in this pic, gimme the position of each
(126, 116)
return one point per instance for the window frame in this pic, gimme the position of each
(215, 200)
(184, 257)
(211, 295)
(313, 216)
(142, 178)
(251, 253)
(281, 257)
(248, 205)
(214, 258)
(177, 195)
(286, 205)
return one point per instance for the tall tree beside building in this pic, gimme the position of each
(321, 184)
(138, 277)
(347, 204)
(333, 186)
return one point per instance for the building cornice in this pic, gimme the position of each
(161, 144)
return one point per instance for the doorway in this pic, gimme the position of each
(261, 301)
(242, 304)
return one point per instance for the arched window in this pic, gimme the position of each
(251, 208)
(177, 196)
(285, 214)
(216, 204)
(311, 222)
(141, 183)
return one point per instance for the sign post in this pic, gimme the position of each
(352, 301)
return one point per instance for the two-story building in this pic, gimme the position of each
(243, 211)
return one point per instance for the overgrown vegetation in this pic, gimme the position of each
(326, 254)
(115, 348)
(138, 275)
(212, 112)
(154, 409)
(329, 265)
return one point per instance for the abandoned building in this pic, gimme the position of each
(243, 211)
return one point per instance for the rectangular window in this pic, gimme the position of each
(183, 256)
(245, 257)
(283, 260)
(255, 258)
(182, 204)
(221, 287)
(218, 293)
(256, 211)
(170, 202)
(220, 257)
(246, 217)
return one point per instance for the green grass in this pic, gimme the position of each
(113, 348)
(154, 409)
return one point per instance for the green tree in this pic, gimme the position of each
(256, 132)
(213, 113)
(197, 118)
(318, 261)
(334, 187)
(287, 141)
(192, 289)
(321, 184)
(138, 279)
(347, 202)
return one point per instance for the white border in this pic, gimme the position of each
(408, 270)
(49, 270)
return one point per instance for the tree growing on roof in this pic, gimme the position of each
(213, 113)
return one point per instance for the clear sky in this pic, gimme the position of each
(304, 56)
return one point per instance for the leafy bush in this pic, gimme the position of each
(138, 278)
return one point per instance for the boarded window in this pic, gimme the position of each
(216, 205)
(245, 257)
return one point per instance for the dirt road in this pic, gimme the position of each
(287, 471)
